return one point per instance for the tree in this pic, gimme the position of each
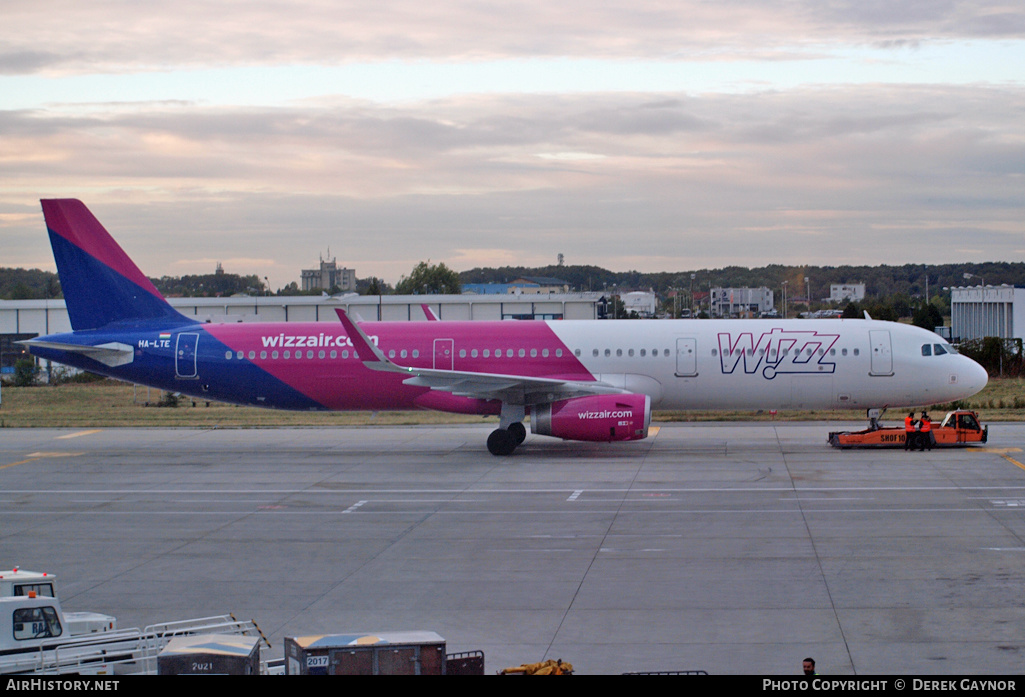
(927, 317)
(429, 280)
(25, 372)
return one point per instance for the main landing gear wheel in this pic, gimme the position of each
(502, 442)
(518, 431)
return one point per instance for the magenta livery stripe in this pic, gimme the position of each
(70, 219)
(343, 382)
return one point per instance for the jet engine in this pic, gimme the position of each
(599, 418)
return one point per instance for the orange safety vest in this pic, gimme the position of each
(909, 423)
(926, 425)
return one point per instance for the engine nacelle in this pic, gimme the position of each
(599, 418)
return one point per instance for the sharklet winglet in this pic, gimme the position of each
(371, 356)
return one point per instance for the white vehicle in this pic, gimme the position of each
(37, 637)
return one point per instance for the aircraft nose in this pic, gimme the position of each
(974, 376)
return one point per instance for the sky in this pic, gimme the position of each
(655, 136)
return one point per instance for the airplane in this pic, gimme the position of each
(581, 380)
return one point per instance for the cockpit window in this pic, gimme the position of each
(926, 350)
(937, 350)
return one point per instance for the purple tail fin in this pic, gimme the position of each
(101, 284)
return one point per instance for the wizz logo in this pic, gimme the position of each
(778, 351)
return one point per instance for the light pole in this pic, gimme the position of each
(785, 299)
(982, 304)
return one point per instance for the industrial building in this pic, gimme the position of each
(328, 277)
(738, 302)
(24, 319)
(846, 292)
(980, 311)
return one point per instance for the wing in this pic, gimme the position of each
(514, 389)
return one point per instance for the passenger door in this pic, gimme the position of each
(882, 354)
(185, 355)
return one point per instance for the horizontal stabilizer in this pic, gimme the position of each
(112, 354)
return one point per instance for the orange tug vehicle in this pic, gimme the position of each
(959, 428)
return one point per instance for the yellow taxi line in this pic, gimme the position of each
(79, 434)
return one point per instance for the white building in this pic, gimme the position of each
(981, 311)
(846, 292)
(644, 304)
(728, 302)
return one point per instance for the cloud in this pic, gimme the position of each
(812, 175)
(123, 35)
(650, 178)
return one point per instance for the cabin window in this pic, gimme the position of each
(36, 623)
(595, 353)
(274, 354)
(715, 352)
(263, 354)
(403, 353)
(487, 353)
(239, 355)
(665, 352)
(522, 353)
(533, 353)
(227, 355)
(608, 353)
(321, 355)
(857, 352)
(309, 354)
(288, 354)
(42, 590)
(473, 353)
(630, 353)
(843, 352)
(345, 353)
(926, 350)
(334, 355)
(619, 353)
(252, 355)
(558, 353)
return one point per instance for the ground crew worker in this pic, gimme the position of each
(909, 431)
(925, 433)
